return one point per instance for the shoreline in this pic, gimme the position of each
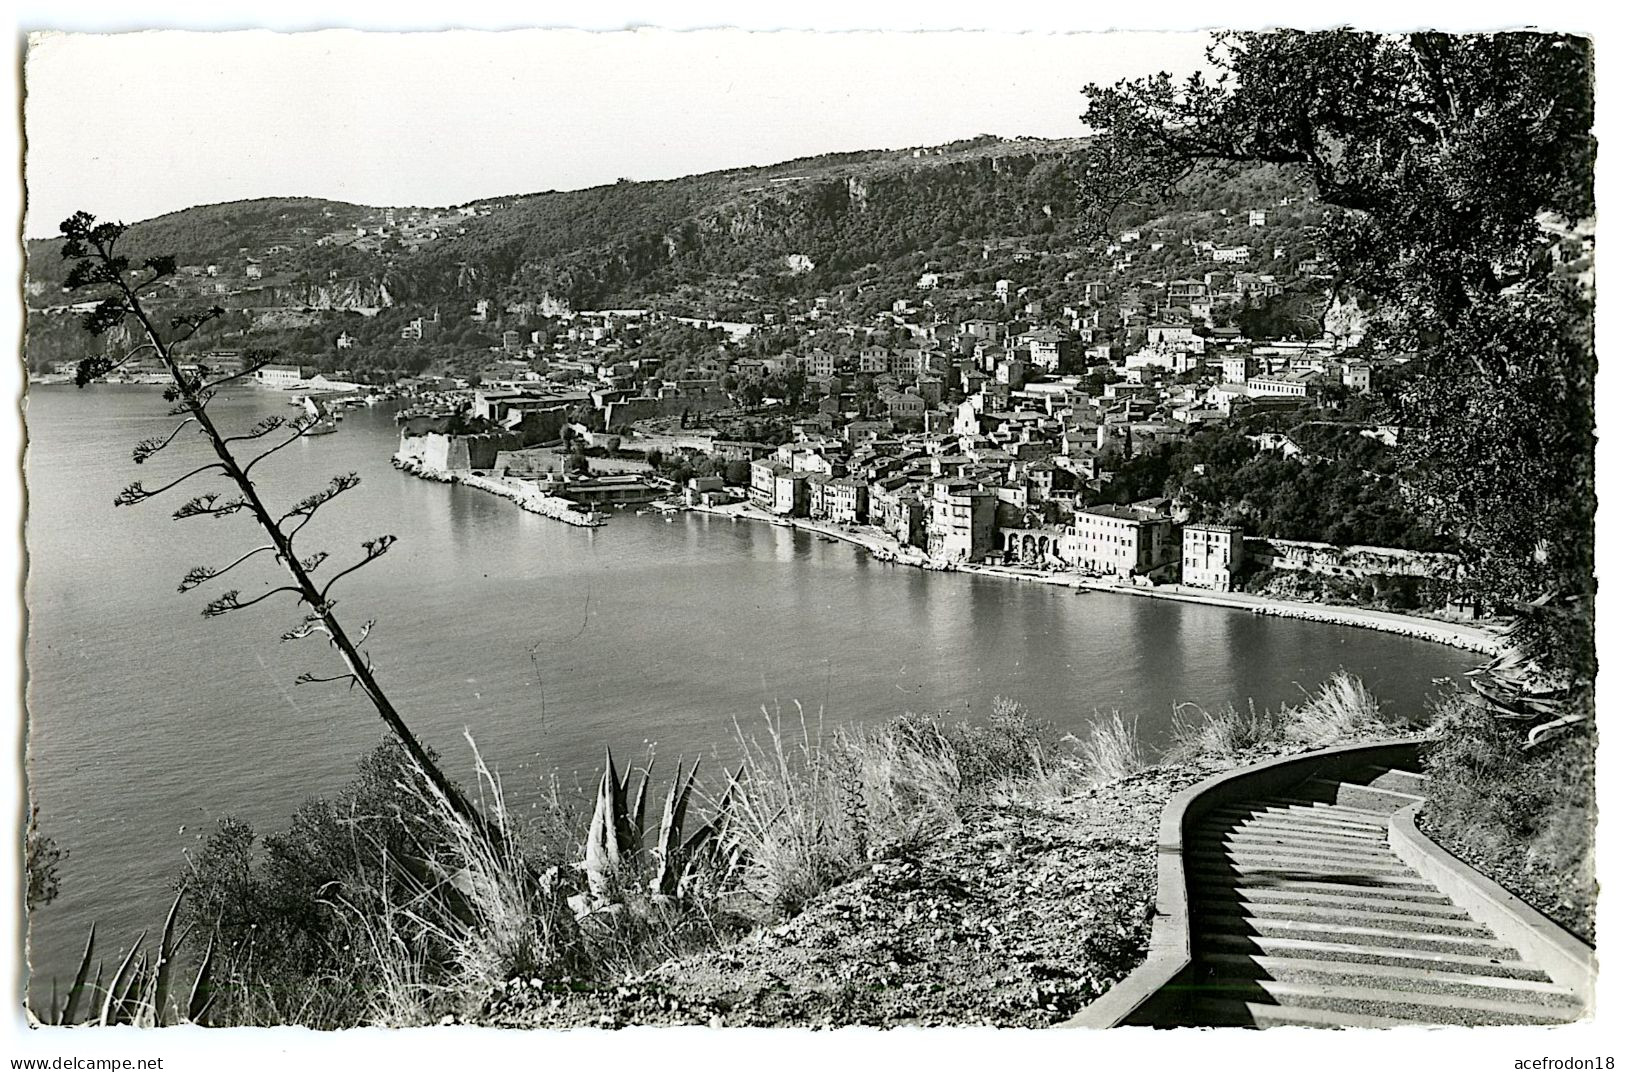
(530, 501)
(884, 548)
(1461, 635)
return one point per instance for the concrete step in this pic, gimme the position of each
(1202, 870)
(1303, 832)
(1221, 878)
(1286, 832)
(1305, 812)
(1414, 1006)
(1348, 973)
(1475, 945)
(1349, 794)
(1303, 825)
(1367, 916)
(1312, 805)
(1392, 778)
(1218, 1012)
(1287, 856)
(1241, 845)
(1435, 905)
(1399, 956)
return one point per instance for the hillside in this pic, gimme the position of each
(724, 244)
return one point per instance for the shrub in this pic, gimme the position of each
(799, 817)
(811, 810)
(1527, 817)
(384, 904)
(1012, 749)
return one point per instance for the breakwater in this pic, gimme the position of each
(531, 500)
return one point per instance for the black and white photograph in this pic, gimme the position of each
(551, 531)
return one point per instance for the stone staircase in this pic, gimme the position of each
(1302, 915)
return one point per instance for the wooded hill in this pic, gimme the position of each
(850, 215)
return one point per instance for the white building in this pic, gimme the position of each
(282, 377)
(1121, 541)
(1210, 556)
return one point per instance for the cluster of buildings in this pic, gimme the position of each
(960, 509)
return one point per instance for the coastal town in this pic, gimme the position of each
(980, 419)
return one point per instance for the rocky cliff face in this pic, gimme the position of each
(346, 295)
(819, 224)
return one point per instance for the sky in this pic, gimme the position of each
(441, 119)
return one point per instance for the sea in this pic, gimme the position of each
(539, 644)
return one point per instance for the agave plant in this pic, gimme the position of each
(616, 835)
(1543, 677)
(140, 991)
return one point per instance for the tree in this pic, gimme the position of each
(99, 268)
(1444, 160)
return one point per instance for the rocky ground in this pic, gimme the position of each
(1019, 918)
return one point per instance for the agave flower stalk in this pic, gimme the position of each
(93, 248)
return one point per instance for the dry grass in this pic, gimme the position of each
(1342, 709)
(474, 914)
(798, 815)
(1228, 735)
(811, 810)
(1111, 748)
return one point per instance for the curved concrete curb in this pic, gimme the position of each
(1147, 995)
(1570, 962)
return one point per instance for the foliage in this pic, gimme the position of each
(1525, 817)
(809, 810)
(141, 992)
(1439, 155)
(1227, 735)
(121, 289)
(1344, 489)
(383, 899)
(1340, 710)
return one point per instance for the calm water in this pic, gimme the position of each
(544, 642)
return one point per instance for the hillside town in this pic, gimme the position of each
(976, 441)
(977, 404)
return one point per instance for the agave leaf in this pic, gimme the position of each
(620, 814)
(76, 993)
(112, 1001)
(632, 834)
(202, 996)
(603, 845)
(121, 996)
(713, 830)
(668, 846)
(166, 956)
(97, 989)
